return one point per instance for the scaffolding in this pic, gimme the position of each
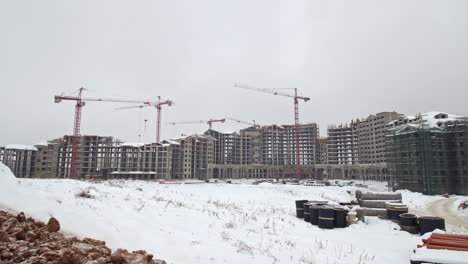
(430, 160)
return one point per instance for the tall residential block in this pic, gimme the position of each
(371, 137)
(361, 141)
(342, 143)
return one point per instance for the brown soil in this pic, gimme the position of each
(25, 240)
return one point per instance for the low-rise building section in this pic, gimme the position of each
(428, 154)
(19, 158)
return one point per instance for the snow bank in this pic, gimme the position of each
(416, 200)
(8, 184)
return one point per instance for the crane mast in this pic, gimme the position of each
(76, 133)
(158, 120)
(158, 105)
(296, 118)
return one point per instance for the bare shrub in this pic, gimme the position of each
(84, 194)
(463, 205)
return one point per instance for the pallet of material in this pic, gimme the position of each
(442, 248)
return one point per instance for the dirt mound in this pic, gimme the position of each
(24, 240)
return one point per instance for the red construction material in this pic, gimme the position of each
(436, 235)
(453, 239)
(446, 241)
(446, 248)
(449, 243)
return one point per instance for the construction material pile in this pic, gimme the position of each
(321, 214)
(24, 240)
(387, 205)
(378, 203)
(441, 248)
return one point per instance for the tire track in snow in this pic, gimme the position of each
(443, 208)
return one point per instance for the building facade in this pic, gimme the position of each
(371, 137)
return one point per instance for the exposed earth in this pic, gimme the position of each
(25, 240)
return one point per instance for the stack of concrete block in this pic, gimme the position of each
(374, 203)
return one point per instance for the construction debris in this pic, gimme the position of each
(25, 240)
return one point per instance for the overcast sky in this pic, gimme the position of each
(352, 58)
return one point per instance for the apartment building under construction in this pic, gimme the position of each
(428, 154)
(361, 141)
(266, 151)
(107, 158)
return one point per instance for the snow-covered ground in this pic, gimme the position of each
(210, 222)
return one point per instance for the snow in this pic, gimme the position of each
(132, 144)
(416, 200)
(440, 256)
(20, 147)
(172, 142)
(209, 222)
(430, 118)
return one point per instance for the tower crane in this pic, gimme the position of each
(158, 107)
(209, 122)
(296, 115)
(244, 122)
(80, 102)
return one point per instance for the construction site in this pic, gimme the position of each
(253, 153)
(269, 151)
(257, 151)
(424, 153)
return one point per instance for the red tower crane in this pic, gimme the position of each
(80, 102)
(158, 107)
(209, 122)
(296, 116)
